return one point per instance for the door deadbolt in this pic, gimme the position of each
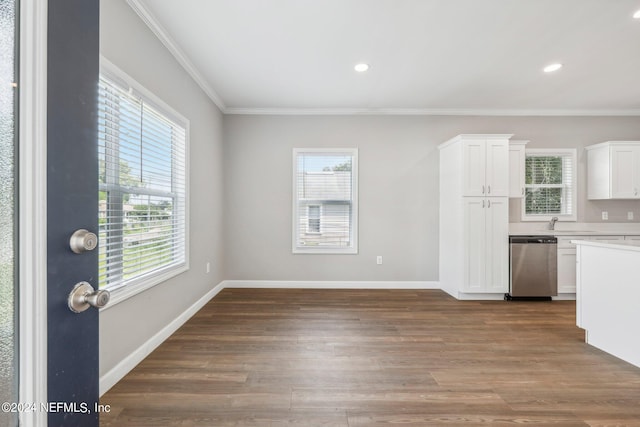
(82, 241)
(83, 296)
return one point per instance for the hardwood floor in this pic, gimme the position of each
(256, 357)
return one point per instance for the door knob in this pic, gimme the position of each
(83, 296)
(82, 241)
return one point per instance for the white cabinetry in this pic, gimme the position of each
(608, 295)
(474, 215)
(485, 166)
(566, 271)
(486, 256)
(516, 168)
(613, 170)
(567, 260)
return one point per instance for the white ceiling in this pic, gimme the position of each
(426, 56)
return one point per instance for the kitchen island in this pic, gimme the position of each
(608, 296)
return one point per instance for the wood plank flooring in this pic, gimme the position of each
(281, 357)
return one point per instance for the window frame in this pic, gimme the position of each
(352, 249)
(150, 279)
(550, 152)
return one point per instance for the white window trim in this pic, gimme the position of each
(351, 250)
(572, 152)
(147, 281)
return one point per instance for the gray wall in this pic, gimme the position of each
(398, 186)
(578, 132)
(128, 43)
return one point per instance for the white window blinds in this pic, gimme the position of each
(550, 184)
(142, 183)
(325, 202)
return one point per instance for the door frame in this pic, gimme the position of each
(32, 184)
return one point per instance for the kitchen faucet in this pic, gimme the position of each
(552, 223)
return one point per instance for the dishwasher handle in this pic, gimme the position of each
(549, 240)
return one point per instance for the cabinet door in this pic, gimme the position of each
(474, 167)
(474, 244)
(516, 171)
(624, 172)
(497, 244)
(497, 172)
(566, 270)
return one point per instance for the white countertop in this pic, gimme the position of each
(575, 229)
(589, 232)
(628, 245)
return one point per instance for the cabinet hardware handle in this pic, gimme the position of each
(488, 203)
(483, 203)
(489, 190)
(483, 189)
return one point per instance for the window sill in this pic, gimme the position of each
(325, 251)
(140, 285)
(547, 218)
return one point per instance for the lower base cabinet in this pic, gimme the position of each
(566, 271)
(486, 248)
(567, 259)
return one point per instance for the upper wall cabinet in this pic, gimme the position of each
(516, 168)
(613, 170)
(485, 168)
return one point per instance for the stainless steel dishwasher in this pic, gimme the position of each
(533, 265)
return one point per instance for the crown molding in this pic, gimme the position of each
(425, 112)
(154, 25)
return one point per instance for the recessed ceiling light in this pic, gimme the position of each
(637, 14)
(552, 67)
(361, 68)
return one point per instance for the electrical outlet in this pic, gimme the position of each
(379, 260)
(208, 267)
(630, 216)
(605, 215)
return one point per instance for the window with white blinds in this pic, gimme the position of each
(142, 186)
(550, 185)
(325, 201)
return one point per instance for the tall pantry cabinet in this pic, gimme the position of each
(474, 215)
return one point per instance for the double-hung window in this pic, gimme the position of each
(142, 147)
(550, 185)
(325, 202)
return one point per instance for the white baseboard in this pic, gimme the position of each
(109, 379)
(564, 297)
(463, 296)
(311, 284)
